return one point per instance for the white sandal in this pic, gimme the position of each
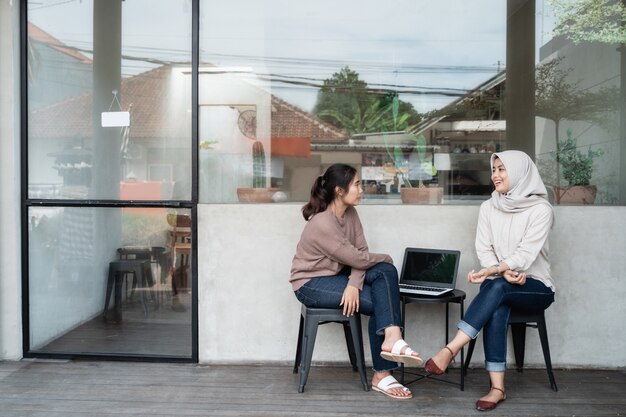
(388, 383)
(407, 357)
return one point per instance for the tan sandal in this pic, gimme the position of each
(389, 382)
(398, 355)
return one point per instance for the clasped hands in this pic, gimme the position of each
(513, 277)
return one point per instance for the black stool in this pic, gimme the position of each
(518, 322)
(157, 255)
(310, 318)
(136, 253)
(117, 271)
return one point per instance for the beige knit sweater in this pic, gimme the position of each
(520, 239)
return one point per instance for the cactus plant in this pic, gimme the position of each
(258, 165)
(259, 193)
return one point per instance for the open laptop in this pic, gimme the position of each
(429, 271)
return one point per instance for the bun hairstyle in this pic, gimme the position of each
(323, 190)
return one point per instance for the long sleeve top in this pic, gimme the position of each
(328, 244)
(520, 239)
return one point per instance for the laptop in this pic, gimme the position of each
(429, 271)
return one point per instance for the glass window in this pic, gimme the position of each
(110, 281)
(286, 89)
(579, 95)
(109, 104)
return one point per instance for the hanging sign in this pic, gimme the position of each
(115, 118)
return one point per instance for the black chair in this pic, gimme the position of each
(140, 269)
(310, 319)
(136, 253)
(519, 322)
(158, 256)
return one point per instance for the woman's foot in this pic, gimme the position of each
(400, 351)
(438, 364)
(386, 384)
(491, 400)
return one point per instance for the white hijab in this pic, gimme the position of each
(526, 188)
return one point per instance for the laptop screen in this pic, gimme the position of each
(434, 267)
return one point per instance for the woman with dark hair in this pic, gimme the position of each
(512, 247)
(333, 268)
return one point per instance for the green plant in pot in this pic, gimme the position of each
(259, 193)
(577, 169)
(420, 167)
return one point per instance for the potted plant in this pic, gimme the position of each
(577, 168)
(259, 192)
(419, 167)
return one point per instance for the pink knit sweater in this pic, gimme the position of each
(328, 244)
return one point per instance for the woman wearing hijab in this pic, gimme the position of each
(512, 247)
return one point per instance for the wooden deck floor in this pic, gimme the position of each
(95, 389)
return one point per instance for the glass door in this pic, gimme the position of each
(109, 176)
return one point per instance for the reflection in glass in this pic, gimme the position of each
(109, 118)
(383, 92)
(579, 151)
(126, 68)
(110, 281)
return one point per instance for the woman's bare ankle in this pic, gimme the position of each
(392, 335)
(495, 394)
(379, 375)
(444, 357)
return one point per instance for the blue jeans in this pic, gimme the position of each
(490, 311)
(379, 299)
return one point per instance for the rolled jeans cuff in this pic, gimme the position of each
(381, 331)
(495, 366)
(467, 329)
(387, 368)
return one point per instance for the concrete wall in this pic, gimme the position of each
(248, 313)
(10, 273)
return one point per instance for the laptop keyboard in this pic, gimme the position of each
(420, 287)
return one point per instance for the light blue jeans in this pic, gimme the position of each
(379, 299)
(490, 311)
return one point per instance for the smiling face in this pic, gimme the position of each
(499, 176)
(351, 196)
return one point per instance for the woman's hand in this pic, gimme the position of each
(478, 277)
(516, 278)
(350, 300)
